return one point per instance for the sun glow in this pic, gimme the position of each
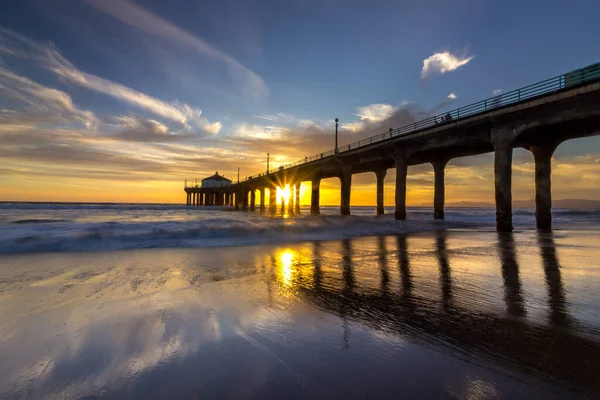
(284, 194)
(286, 258)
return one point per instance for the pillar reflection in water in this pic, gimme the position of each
(404, 267)
(513, 294)
(383, 267)
(556, 291)
(445, 276)
(318, 271)
(347, 267)
(349, 285)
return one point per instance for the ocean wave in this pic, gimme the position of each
(207, 232)
(53, 227)
(39, 221)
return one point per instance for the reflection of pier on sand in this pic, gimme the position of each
(385, 288)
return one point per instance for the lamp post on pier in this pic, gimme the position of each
(238, 174)
(267, 163)
(336, 136)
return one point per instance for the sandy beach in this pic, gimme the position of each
(447, 314)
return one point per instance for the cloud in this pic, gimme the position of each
(45, 104)
(186, 117)
(354, 127)
(258, 131)
(267, 117)
(142, 19)
(496, 92)
(452, 96)
(443, 62)
(375, 112)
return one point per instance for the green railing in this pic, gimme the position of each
(565, 81)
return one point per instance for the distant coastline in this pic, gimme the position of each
(575, 204)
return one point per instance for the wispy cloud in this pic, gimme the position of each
(45, 104)
(354, 127)
(496, 92)
(142, 19)
(259, 131)
(443, 62)
(452, 96)
(187, 117)
(375, 112)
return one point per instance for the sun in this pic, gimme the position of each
(285, 194)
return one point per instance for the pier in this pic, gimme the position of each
(537, 117)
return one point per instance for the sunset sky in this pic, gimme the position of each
(116, 100)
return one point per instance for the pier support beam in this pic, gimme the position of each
(401, 162)
(346, 179)
(253, 200)
(187, 199)
(244, 199)
(543, 184)
(273, 200)
(227, 198)
(380, 174)
(314, 197)
(503, 153)
(297, 194)
(262, 200)
(439, 188)
(237, 199)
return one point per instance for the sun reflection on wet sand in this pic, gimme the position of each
(286, 258)
(453, 314)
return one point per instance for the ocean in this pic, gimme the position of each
(155, 301)
(42, 227)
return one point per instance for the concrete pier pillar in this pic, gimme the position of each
(253, 200)
(439, 189)
(297, 202)
(314, 197)
(380, 174)
(543, 185)
(346, 179)
(503, 182)
(401, 171)
(291, 208)
(244, 199)
(236, 200)
(227, 198)
(273, 200)
(262, 200)
(187, 199)
(195, 198)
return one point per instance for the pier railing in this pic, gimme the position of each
(565, 81)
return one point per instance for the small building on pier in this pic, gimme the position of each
(212, 191)
(215, 181)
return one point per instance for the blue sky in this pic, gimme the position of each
(183, 76)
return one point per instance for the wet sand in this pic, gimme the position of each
(449, 314)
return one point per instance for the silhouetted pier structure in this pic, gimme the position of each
(537, 117)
